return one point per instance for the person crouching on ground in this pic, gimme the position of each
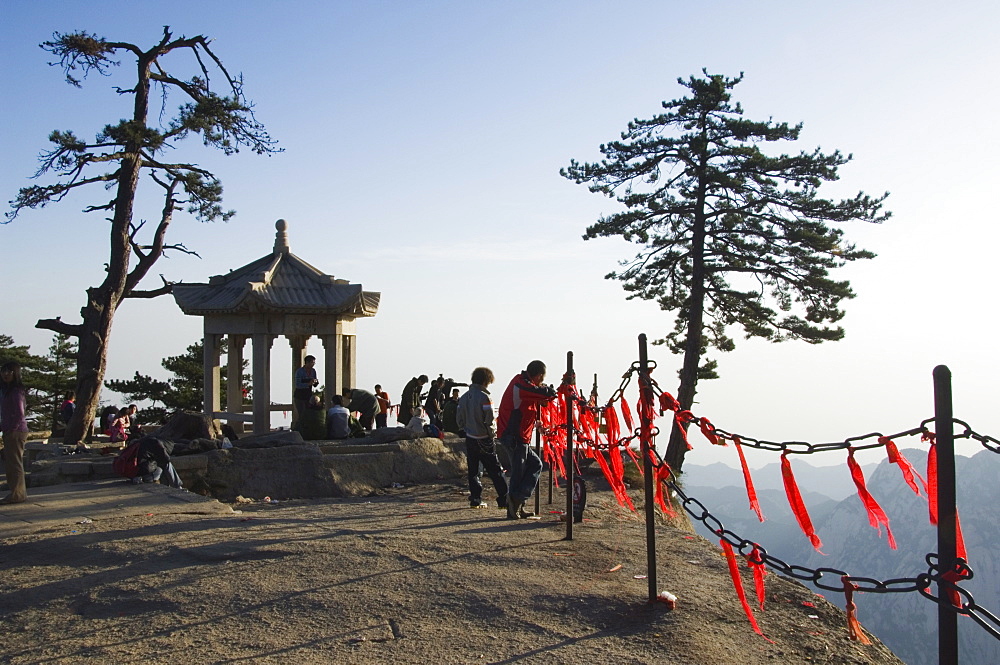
(154, 462)
(418, 421)
(475, 416)
(338, 420)
(515, 422)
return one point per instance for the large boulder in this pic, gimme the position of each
(280, 472)
(275, 439)
(184, 426)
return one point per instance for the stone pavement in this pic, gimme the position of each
(66, 505)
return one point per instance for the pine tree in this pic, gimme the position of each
(183, 391)
(58, 377)
(731, 236)
(125, 150)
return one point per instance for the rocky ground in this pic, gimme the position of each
(412, 575)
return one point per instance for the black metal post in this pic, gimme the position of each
(551, 482)
(647, 473)
(570, 457)
(944, 437)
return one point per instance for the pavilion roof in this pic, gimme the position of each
(281, 283)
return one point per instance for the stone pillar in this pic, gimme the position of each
(213, 374)
(262, 382)
(350, 372)
(332, 352)
(234, 380)
(298, 344)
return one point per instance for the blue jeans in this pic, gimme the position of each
(525, 467)
(483, 452)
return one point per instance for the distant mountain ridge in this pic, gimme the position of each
(831, 481)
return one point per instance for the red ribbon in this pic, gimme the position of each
(668, 403)
(876, 516)
(748, 481)
(627, 415)
(709, 431)
(681, 418)
(796, 503)
(896, 457)
(661, 474)
(853, 627)
(734, 572)
(611, 420)
(756, 563)
(613, 476)
(932, 483)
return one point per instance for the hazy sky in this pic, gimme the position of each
(423, 142)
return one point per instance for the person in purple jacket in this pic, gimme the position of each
(15, 430)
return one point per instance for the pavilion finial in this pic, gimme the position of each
(281, 237)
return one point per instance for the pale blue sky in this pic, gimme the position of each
(422, 146)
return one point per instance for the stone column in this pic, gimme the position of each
(350, 372)
(213, 374)
(234, 380)
(332, 351)
(262, 382)
(298, 344)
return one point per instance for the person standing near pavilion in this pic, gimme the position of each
(305, 381)
(410, 398)
(14, 426)
(382, 417)
(516, 422)
(475, 416)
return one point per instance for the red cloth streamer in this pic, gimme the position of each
(617, 485)
(683, 417)
(668, 403)
(709, 431)
(627, 415)
(853, 627)
(748, 481)
(611, 420)
(734, 572)
(756, 563)
(932, 483)
(955, 576)
(896, 457)
(876, 516)
(796, 503)
(660, 475)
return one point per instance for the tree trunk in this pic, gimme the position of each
(676, 448)
(102, 302)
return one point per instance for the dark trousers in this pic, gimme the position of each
(381, 420)
(483, 452)
(525, 467)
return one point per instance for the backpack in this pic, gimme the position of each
(126, 464)
(433, 431)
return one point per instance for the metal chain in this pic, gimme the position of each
(757, 554)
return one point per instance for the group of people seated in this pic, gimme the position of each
(120, 424)
(338, 422)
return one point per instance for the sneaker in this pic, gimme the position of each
(524, 514)
(502, 503)
(477, 504)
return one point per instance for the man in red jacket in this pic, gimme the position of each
(515, 423)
